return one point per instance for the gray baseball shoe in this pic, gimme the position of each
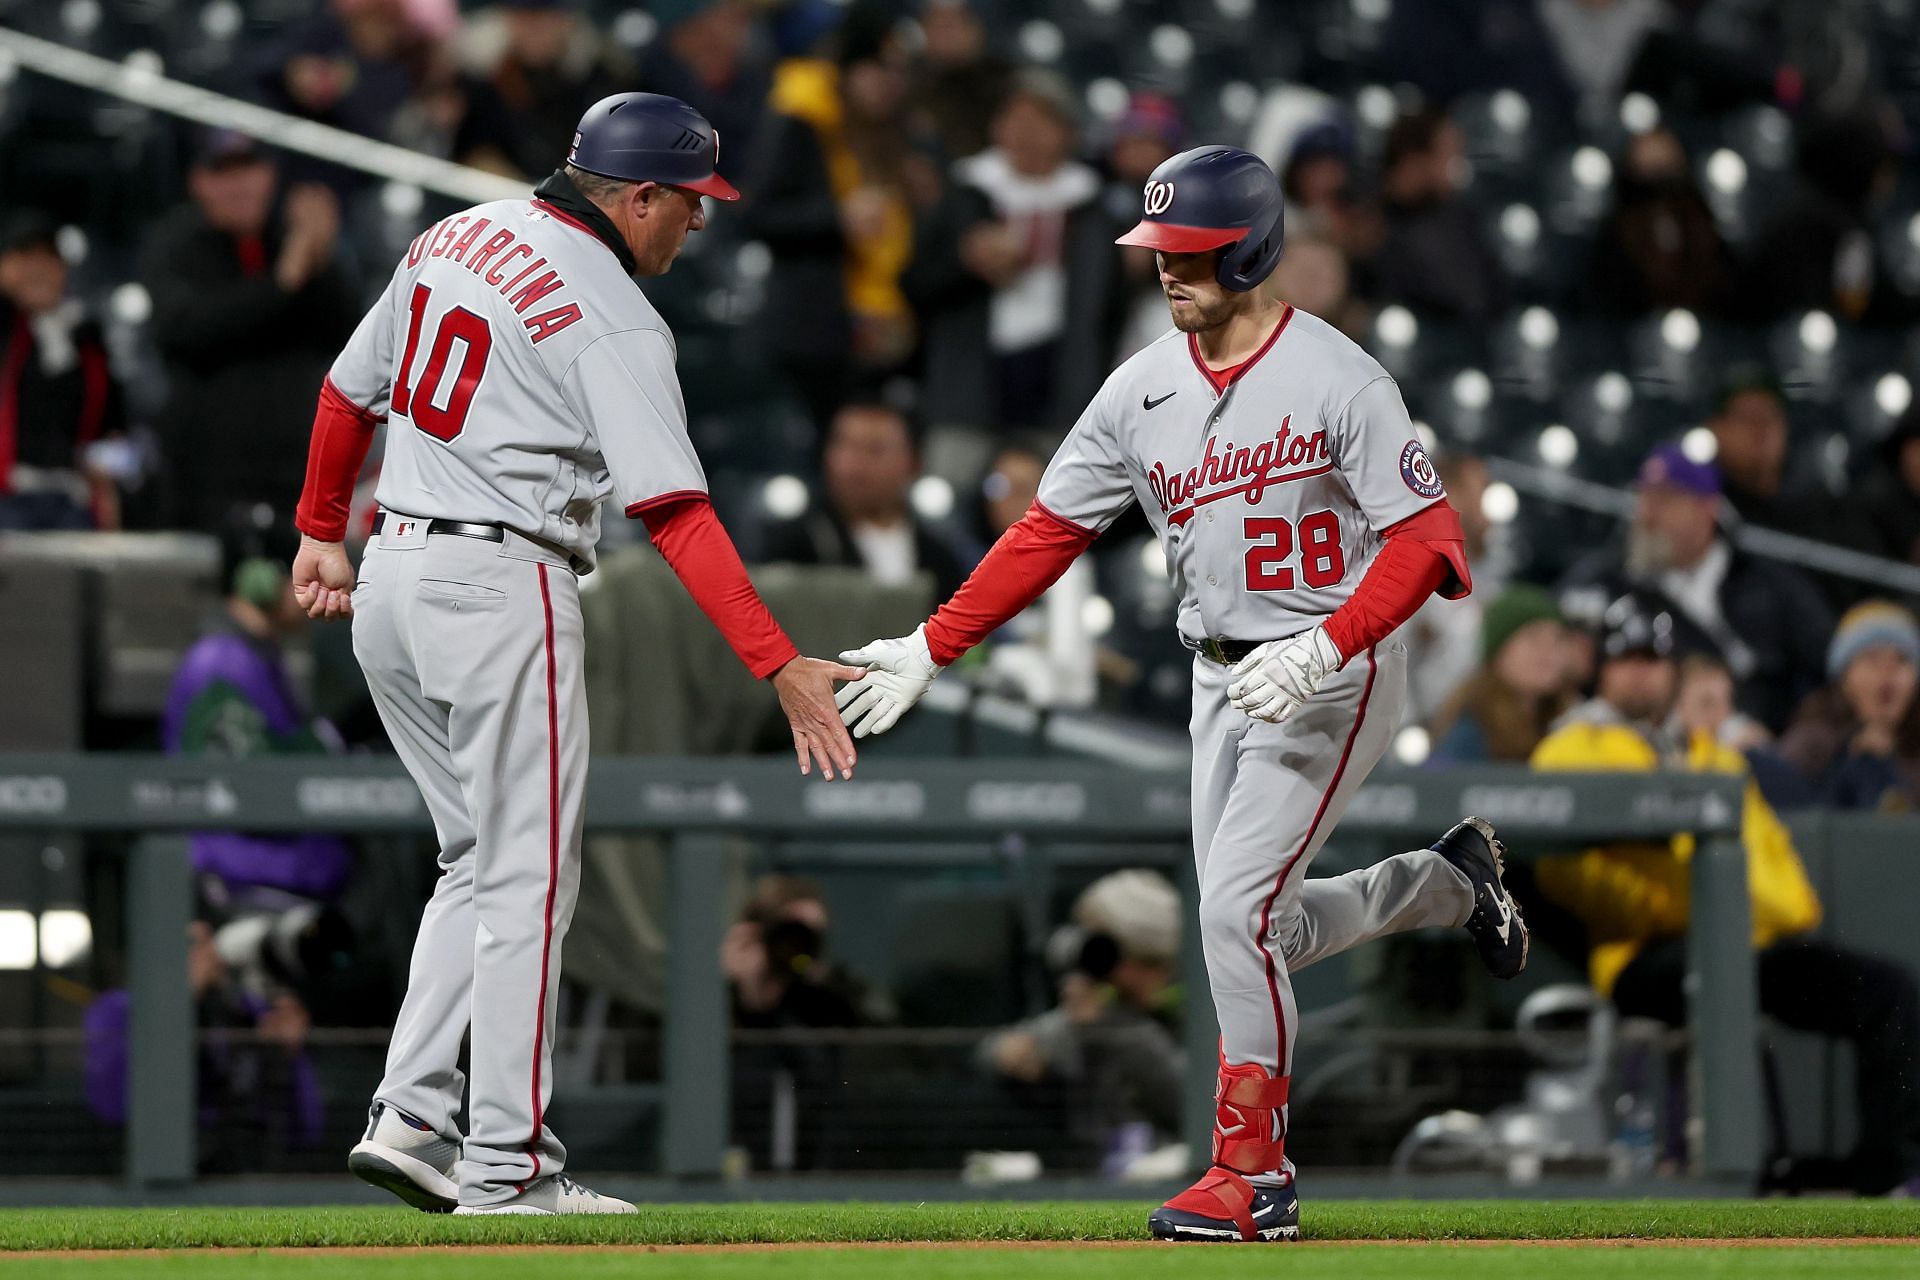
(405, 1156)
(554, 1194)
(1495, 924)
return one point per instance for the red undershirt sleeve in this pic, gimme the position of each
(689, 535)
(342, 434)
(1423, 554)
(1028, 558)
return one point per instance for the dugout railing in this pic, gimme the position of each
(902, 812)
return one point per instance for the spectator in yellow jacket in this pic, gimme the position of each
(1633, 901)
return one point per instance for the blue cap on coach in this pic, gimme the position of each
(649, 137)
(1211, 197)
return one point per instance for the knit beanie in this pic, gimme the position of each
(1511, 610)
(1868, 626)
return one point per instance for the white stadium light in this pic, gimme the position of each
(1153, 561)
(1892, 394)
(932, 497)
(18, 946)
(1510, 111)
(1376, 106)
(1396, 326)
(1538, 328)
(130, 303)
(1041, 41)
(1639, 113)
(1591, 168)
(71, 243)
(1499, 503)
(1680, 329)
(80, 17)
(1699, 445)
(1472, 390)
(1096, 615)
(1171, 45)
(1238, 101)
(1520, 225)
(1558, 446)
(1107, 98)
(784, 497)
(1613, 392)
(1818, 332)
(222, 20)
(1726, 171)
(66, 936)
(1412, 745)
(636, 28)
(402, 201)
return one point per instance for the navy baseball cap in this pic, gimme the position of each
(1214, 198)
(649, 137)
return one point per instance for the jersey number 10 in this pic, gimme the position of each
(447, 419)
(1322, 562)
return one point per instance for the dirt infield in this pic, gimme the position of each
(901, 1246)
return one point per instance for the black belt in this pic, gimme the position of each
(1227, 653)
(458, 528)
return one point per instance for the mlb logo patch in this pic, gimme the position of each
(1416, 468)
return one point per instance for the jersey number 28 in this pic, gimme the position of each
(1322, 562)
(442, 417)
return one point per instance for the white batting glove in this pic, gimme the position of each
(1271, 682)
(899, 673)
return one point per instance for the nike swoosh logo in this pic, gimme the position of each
(1148, 402)
(1506, 916)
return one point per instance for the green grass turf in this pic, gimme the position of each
(1168, 1262)
(835, 1223)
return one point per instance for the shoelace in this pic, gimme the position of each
(568, 1184)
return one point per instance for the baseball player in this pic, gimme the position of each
(524, 379)
(1303, 522)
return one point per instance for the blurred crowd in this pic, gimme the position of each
(922, 278)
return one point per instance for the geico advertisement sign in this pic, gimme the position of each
(26, 794)
(360, 797)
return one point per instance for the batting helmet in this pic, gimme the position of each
(1211, 197)
(649, 137)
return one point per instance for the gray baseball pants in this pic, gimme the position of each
(1265, 798)
(474, 652)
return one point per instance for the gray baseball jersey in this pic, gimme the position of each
(523, 376)
(1268, 496)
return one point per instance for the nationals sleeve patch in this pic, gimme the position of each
(1416, 468)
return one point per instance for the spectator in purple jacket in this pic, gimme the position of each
(232, 696)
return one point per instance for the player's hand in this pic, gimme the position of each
(323, 579)
(899, 673)
(805, 686)
(1271, 682)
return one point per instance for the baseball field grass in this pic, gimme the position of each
(1347, 1240)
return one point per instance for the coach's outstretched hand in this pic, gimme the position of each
(1271, 682)
(805, 686)
(323, 579)
(899, 672)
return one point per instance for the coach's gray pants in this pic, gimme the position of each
(473, 651)
(1265, 798)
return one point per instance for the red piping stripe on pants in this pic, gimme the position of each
(553, 865)
(1266, 910)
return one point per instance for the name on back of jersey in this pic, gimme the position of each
(1227, 469)
(505, 261)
